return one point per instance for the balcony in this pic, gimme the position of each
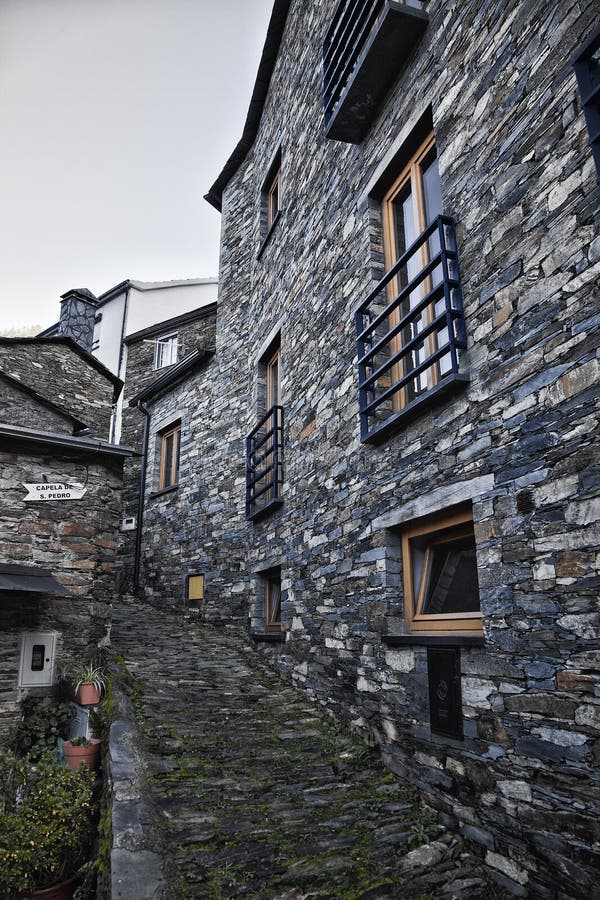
(365, 49)
(410, 330)
(264, 464)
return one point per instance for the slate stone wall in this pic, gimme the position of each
(77, 317)
(519, 443)
(76, 540)
(18, 407)
(70, 379)
(139, 373)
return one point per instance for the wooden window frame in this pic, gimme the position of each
(272, 625)
(173, 338)
(458, 524)
(273, 397)
(273, 198)
(410, 174)
(171, 478)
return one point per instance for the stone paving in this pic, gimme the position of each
(260, 794)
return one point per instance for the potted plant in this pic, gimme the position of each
(43, 721)
(81, 750)
(89, 679)
(47, 827)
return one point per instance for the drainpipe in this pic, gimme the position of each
(142, 490)
(120, 370)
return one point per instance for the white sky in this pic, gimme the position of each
(115, 118)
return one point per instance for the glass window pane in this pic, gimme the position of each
(451, 578)
(431, 189)
(168, 459)
(273, 591)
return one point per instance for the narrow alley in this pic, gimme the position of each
(256, 792)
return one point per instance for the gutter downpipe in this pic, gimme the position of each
(113, 425)
(142, 489)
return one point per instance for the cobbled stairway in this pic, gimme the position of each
(260, 794)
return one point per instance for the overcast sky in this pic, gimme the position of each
(116, 116)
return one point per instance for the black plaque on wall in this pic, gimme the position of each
(445, 697)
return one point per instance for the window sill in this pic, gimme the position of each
(267, 236)
(268, 637)
(433, 640)
(264, 510)
(161, 493)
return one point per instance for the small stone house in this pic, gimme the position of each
(60, 489)
(138, 330)
(388, 471)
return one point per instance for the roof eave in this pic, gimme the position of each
(177, 372)
(257, 102)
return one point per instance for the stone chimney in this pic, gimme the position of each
(77, 313)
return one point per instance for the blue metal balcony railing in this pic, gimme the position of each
(366, 46)
(410, 330)
(264, 463)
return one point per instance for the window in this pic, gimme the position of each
(165, 351)
(272, 583)
(587, 70)
(273, 379)
(273, 199)
(410, 327)
(264, 444)
(270, 197)
(441, 588)
(169, 456)
(195, 588)
(411, 204)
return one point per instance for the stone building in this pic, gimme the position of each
(138, 330)
(60, 484)
(388, 470)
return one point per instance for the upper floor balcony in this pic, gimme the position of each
(264, 464)
(365, 49)
(410, 330)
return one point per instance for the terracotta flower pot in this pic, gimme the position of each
(76, 755)
(88, 694)
(62, 890)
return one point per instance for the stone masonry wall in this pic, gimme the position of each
(519, 443)
(140, 372)
(18, 407)
(76, 540)
(77, 317)
(55, 370)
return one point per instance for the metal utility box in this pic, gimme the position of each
(38, 650)
(445, 698)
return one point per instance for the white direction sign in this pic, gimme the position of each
(58, 491)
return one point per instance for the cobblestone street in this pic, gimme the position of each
(258, 793)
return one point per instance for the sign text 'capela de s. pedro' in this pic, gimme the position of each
(58, 491)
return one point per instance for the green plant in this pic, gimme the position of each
(43, 721)
(48, 826)
(91, 672)
(80, 742)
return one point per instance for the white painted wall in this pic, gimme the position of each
(109, 332)
(148, 306)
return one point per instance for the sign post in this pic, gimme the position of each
(58, 491)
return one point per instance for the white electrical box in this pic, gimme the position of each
(128, 523)
(37, 659)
